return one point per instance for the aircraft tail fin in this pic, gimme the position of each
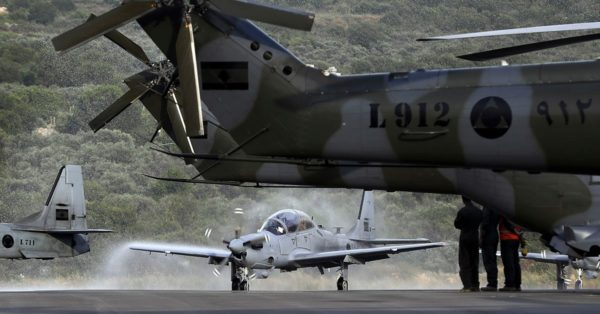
(364, 229)
(65, 207)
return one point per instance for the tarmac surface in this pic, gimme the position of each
(405, 301)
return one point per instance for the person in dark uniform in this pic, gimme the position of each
(510, 240)
(467, 221)
(489, 246)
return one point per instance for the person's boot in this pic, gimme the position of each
(509, 289)
(489, 289)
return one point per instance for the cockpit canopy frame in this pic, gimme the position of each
(287, 221)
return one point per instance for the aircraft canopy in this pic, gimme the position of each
(287, 221)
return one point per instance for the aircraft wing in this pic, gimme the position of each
(544, 257)
(186, 250)
(357, 255)
(379, 241)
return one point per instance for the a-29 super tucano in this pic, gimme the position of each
(289, 240)
(539, 117)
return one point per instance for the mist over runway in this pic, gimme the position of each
(399, 301)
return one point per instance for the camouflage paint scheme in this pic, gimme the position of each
(532, 117)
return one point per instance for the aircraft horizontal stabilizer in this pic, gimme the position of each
(39, 254)
(61, 231)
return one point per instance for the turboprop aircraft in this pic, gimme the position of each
(526, 117)
(59, 230)
(289, 240)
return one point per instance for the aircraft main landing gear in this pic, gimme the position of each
(579, 282)
(342, 282)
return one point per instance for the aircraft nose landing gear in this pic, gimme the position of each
(239, 278)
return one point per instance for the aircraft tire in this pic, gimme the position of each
(342, 285)
(235, 284)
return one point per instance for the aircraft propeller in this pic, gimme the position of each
(184, 114)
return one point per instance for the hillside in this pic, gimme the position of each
(46, 101)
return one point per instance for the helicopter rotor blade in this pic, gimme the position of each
(187, 67)
(521, 49)
(177, 123)
(117, 107)
(103, 24)
(519, 31)
(294, 19)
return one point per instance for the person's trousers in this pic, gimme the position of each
(468, 261)
(510, 258)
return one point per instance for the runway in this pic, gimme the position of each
(421, 301)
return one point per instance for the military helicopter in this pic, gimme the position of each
(59, 230)
(526, 117)
(289, 239)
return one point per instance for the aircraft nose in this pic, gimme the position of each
(237, 246)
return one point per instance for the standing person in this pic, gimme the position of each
(467, 221)
(510, 238)
(489, 246)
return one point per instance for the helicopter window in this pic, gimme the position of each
(274, 226)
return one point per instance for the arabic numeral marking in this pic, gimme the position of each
(582, 106)
(543, 109)
(445, 109)
(423, 115)
(403, 115)
(565, 112)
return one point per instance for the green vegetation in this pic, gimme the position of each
(46, 101)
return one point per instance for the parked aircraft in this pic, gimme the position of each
(289, 239)
(59, 230)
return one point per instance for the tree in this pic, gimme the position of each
(42, 12)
